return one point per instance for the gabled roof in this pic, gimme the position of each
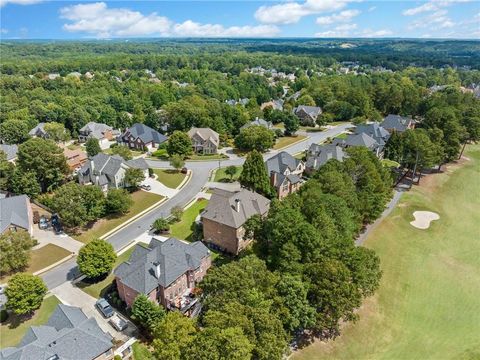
(281, 162)
(38, 130)
(258, 122)
(396, 122)
(357, 140)
(374, 130)
(205, 134)
(174, 257)
(320, 154)
(14, 211)
(9, 150)
(145, 134)
(312, 111)
(222, 207)
(68, 335)
(96, 130)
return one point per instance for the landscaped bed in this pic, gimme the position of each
(13, 329)
(427, 303)
(169, 178)
(220, 175)
(183, 229)
(141, 201)
(287, 141)
(207, 157)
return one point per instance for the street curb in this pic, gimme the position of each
(49, 267)
(294, 143)
(185, 181)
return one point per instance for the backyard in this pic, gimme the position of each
(169, 178)
(12, 330)
(287, 141)
(183, 229)
(141, 201)
(221, 176)
(427, 304)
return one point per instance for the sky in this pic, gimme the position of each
(42, 19)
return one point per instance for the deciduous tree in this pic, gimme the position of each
(15, 250)
(92, 146)
(145, 312)
(96, 258)
(25, 293)
(179, 143)
(255, 138)
(118, 201)
(133, 177)
(14, 131)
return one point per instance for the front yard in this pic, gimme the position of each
(141, 201)
(183, 229)
(196, 157)
(220, 175)
(287, 141)
(169, 178)
(13, 329)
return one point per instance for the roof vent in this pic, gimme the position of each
(237, 205)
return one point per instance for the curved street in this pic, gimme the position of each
(201, 170)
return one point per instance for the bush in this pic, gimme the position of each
(3, 316)
(161, 225)
(176, 213)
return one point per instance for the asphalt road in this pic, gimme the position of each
(67, 271)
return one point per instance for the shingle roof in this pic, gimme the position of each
(38, 130)
(14, 211)
(357, 140)
(281, 162)
(374, 130)
(312, 111)
(205, 133)
(68, 335)
(174, 257)
(145, 133)
(396, 122)
(222, 207)
(9, 150)
(95, 130)
(259, 122)
(320, 154)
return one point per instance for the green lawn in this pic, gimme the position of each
(341, 136)
(220, 175)
(287, 141)
(207, 157)
(98, 289)
(13, 330)
(140, 352)
(141, 201)
(184, 228)
(134, 152)
(427, 306)
(169, 178)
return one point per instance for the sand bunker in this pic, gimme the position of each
(423, 219)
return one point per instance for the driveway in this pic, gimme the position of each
(69, 294)
(45, 237)
(158, 188)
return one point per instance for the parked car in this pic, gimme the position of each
(56, 224)
(104, 308)
(118, 323)
(43, 223)
(146, 187)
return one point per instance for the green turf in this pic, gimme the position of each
(286, 141)
(184, 228)
(428, 304)
(169, 178)
(140, 352)
(220, 175)
(13, 330)
(207, 157)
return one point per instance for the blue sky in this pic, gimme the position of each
(37, 19)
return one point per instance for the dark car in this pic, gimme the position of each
(104, 308)
(56, 224)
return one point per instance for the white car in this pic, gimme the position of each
(118, 323)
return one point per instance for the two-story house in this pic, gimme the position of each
(102, 132)
(285, 173)
(140, 136)
(39, 131)
(167, 272)
(362, 139)
(225, 215)
(204, 140)
(307, 114)
(259, 122)
(397, 123)
(318, 155)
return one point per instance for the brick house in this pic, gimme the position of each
(285, 173)
(225, 215)
(140, 136)
(307, 114)
(204, 140)
(167, 272)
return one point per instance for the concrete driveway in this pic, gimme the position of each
(48, 236)
(158, 188)
(71, 295)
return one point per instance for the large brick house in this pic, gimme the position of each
(167, 272)
(204, 140)
(225, 215)
(140, 136)
(285, 173)
(307, 114)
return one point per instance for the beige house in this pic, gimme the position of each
(204, 140)
(285, 173)
(225, 215)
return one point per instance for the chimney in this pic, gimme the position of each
(273, 178)
(158, 272)
(237, 205)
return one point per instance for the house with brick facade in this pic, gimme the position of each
(140, 136)
(307, 114)
(204, 140)
(167, 272)
(225, 215)
(285, 173)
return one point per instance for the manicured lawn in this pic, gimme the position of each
(13, 330)
(207, 157)
(41, 258)
(342, 136)
(140, 352)
(427, 306)
(184, 228)
(169, 178)
(134, 152)
(287, 141)
(141, 201)
(98, 289)
(220, 175)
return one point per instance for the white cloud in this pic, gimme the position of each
(375, 33)
(343, 16)
(292, 12)
(101, 21)
(434, 21)
(372, 8)
(3, 31)
(19, 2)
(430, 6)
(342, 30)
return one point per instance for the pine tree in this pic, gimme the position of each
(254, 174)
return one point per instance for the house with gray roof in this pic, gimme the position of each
(39, 131)
(10, 151)
(16, 214)
(307, 114)
(225, 215)
(374, 130)
(108, 171)
(361, 139)
(68, 335)
(285, 173)
(204, 140)
(397, 123)
(318, 155)
(274, 104)
(102, 132)
(166, 271)
(140, 136)
(258, 122)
